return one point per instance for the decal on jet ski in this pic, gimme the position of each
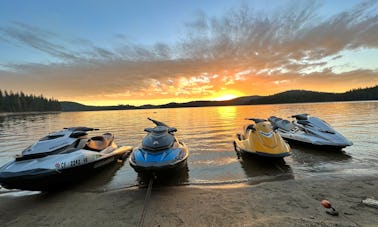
(269, 134)
(75, 163)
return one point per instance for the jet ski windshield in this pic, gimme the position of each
(158, 138)
(51, 137)
(320, 125)
(56, 142)
(313, 122)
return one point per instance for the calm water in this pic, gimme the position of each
(209, 134)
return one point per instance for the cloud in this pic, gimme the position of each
(36, 38)
(242, 50)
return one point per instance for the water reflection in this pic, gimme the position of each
(256, 167)
(24, 118)
(99, 179)
(227, 112)
(313, 156)
(178, 176)
(209, 132)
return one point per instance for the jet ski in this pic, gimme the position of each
(309, 130)
(160, 150)
(259, 139)
(60, 158)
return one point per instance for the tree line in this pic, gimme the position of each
(20, 102)
(295, 96)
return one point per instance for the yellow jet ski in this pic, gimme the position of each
(261, 140)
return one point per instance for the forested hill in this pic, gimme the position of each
(296, 96)
(74, 106)
(293, 96)
(19, 102)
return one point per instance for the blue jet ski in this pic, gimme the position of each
(160, 150)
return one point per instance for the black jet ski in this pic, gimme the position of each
(60, 158)
(160, 150)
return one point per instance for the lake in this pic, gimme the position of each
(209, 133)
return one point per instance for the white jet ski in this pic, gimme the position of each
(61, 158)
(309, 130)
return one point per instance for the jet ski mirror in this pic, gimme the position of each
(148, 130)
(171, 130)
(256, 120)
(303, 116)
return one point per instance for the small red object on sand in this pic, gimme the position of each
(326, 203)
(331, 210)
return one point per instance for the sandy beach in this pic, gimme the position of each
(278, 203)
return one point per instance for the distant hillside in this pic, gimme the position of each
(293, 96)
(74, 106)
(296, 96)
(232, 102)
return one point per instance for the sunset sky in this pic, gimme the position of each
(159, 51)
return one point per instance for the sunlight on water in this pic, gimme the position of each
(209, 132)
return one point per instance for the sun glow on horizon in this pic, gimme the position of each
(135, 102)
(225, 97)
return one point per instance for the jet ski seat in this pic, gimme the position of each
(274, 119)
(284, 124)
(98, 143)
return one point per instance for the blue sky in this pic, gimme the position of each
(141, 22)
(47, 40)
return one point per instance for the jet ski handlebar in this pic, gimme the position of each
(256, 120)
(84, 129)
(170, 129)
(158, 123)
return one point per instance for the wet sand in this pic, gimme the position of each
(278, 203)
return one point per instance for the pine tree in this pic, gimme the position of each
(1, 101)
(19, 102)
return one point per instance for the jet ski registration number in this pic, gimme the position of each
(72, 163)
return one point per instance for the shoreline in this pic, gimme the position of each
(292, 202)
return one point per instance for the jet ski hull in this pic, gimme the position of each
(307, 143)
(158, 168)
(142, 160)
(44, 179)
(264, 154)
(259, 154)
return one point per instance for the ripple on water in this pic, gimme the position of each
(209, 133)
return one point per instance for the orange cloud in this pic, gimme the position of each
(242, 52)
